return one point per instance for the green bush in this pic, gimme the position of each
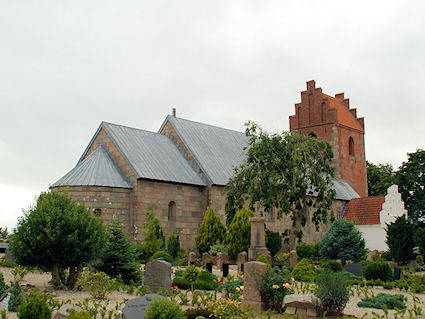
(79, 315)
(3, 286)
(211, 230)
(346, 275)
(275, 285)
(303, 271)
(173, 245)
(35, 306)
(15, 297)
(386, 255)
(389, 301)
(228, 309)
(331, 265)
(400, 235)
(273, 242)
(161, 254)
(262, 258)
(308, 251)
(152, 233)
(118, 260)
(420, 239)
(164, 309)
(203, 281)
(217, 248)
(193, 313)
(98, 284)
(239, 234)
(333, 292)
(342, 241)
(231, 285)
(378, 270)
(141, 252)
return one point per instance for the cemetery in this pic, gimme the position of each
(306, 283)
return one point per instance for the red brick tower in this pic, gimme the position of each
(331, 119)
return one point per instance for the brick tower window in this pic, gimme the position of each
(351, 146)
(171, 210)
(312, 134)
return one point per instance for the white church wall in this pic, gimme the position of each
(374, 235)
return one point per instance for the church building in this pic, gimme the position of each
(182, 169)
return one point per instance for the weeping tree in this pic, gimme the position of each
(57, 235)
(290, 172)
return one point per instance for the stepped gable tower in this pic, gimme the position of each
(331, 119)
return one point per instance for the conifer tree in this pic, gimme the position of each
(173, 245)
(15, 297)
(211, 230)
(152, 233)
(118, 258)
(400, 239)
(239, 234)
(343, 241)
(3, 286)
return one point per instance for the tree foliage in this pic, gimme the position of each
(152, 233)
(410, 178)
(211, 230)
(400, 241)
(57, 234)
(420, 239)
(342, 241)
(239, 233)
(273, 242)
(118, 259)
(379, 178)
(173, 245)
(284, 171)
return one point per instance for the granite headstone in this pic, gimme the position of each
(136, 308)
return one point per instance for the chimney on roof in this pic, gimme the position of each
(174, 111)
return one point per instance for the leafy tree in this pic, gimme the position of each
(57, 234)
(173, 245)
(152, 233)
(379, 178)
(273, 242)
(284, 171)
(410, 178)
(211, 230)
(239, 233)
(342, 241)
(118, 258)
(400, 239)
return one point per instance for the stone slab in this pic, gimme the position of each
(136, 308)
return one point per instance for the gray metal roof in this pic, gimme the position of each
(98, 169)
(216, 150)
(344, 191)
(152, 155)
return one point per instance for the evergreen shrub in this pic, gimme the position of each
(273, 242)
(303, 271)
(164, 309)
(173, 245)
(400, 241)
(333, 292)
(161, 254)
(331, 265)
(3, 286)
(420, 239)
(239, 233)
(389, 301)
(217, 248)
(35, 306)
(152, 233)
(98, 284)
(118, 260)
(378, 270)
(79, 315)
(308, 251)
(228, 309)
(15, 297)
(262, 258)
(211, 230)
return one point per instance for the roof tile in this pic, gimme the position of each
(365, 210)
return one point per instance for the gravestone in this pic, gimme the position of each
(242, 259)
(258, 239)
(136, 308)
(209, 267)
(8, 256)
(293, 258)
(304, 305)
(222, 258)
(254, 273)
(225, 270)
(191, 258)
(158, 275)
(207, 259)
(65, 310)
(397, 273)
(355, 269)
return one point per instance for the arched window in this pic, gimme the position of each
(171, 211)
(351, 146)
(312, 134)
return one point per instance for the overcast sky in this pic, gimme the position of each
(65, 66)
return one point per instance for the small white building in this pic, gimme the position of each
(372, 214)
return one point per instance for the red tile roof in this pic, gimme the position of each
(344, 115)
(366, 210)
